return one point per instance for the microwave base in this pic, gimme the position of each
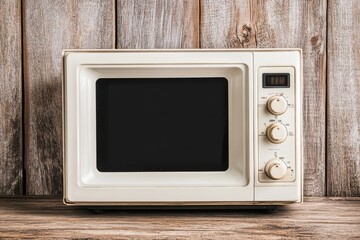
(104, 209)
(178, 205)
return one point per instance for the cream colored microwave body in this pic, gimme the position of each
(182, 127)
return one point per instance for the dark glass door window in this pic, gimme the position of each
(162, 124)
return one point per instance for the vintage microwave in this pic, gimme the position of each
(197, 127)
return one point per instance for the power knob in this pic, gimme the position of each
(277, 105)
(276, 169)
(276, 133)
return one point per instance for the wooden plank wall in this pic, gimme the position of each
(49, 27)
(11, 162)
(158, 24)
(343, 115)
(326, 30)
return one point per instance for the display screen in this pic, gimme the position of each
(162, 124)
(276, 80)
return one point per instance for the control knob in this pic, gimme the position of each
(276, 169)
(276, 133)
(277, 105)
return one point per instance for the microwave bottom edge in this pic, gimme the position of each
(183, 205)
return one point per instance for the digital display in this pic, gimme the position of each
(276, 80)
(162, 124)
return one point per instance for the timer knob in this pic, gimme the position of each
(277, 105)
(276, 133)
(275, 169)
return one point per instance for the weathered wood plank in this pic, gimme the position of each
(51, 26)
(11, 165)
(316, 218)
(343, 116)
(226, 24)
(158, 24)
(269, 24)
(302, 24)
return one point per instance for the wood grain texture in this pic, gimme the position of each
(226, 24)
(51, 26)
(158, 24)
(316, 218)
(11, 165)
(343, 116)
(281, 24)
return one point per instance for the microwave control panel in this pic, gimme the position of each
(276, 124)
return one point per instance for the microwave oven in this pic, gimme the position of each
(199, 127)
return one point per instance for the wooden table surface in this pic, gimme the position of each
(316, 218)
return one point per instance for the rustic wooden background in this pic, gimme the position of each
(33, 33)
